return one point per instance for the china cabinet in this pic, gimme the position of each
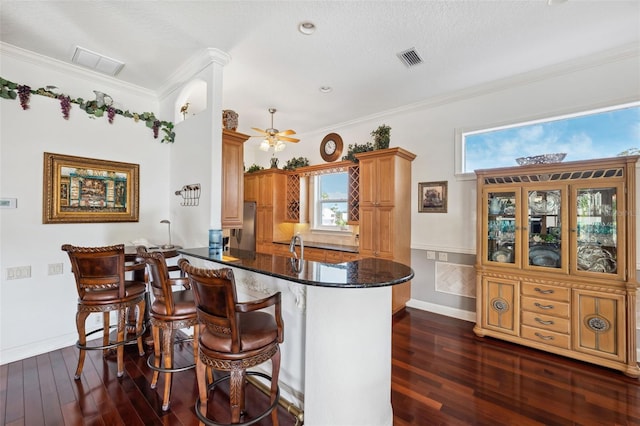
(385, 210)
(232, 178)
(556, 259)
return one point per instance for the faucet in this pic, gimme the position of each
(292, 246)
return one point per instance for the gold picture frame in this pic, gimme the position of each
(432, 197)
(87, 190)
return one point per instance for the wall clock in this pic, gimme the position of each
(331, 147)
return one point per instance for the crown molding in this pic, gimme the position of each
(621, 53)
(67, 68)
(191, 68)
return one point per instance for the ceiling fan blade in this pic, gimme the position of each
(286, 132)
(260, 131)
(288, 139)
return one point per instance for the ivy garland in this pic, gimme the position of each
(11, 90)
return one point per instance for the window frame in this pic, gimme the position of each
(460, 133)
(315, 211)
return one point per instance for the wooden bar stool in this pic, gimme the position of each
(102, 288)
(169, 311)
(233, 337)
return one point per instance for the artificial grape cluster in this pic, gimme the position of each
(24, 92)
(111, 113)
(65, 105)
(156, 128)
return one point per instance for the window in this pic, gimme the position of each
(330, 201)
(606, 132)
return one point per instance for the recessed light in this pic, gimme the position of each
(326, 89)
(307, 28)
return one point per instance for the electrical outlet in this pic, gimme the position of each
(442, 257)
(431, 255)
(55, 268)
(18, 272)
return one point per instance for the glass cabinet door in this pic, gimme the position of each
(544, 234)
(500, 229)
(596, 230)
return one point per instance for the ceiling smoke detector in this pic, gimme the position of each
(410, 57)
(96, 61)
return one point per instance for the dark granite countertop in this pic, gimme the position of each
(362, 273)
(324, 246)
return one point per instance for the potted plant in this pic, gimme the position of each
(296, 162)
(381, 137)
(355, 149)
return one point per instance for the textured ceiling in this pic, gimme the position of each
(463, 44)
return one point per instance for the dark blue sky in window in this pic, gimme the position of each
(599, 135)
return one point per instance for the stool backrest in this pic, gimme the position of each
(97, 268)
(214, 292)
(161, 284)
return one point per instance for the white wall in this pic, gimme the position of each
(38, 314)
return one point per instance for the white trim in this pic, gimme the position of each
(64, 67)
(32, 349)
(442, 310)
(458, 250)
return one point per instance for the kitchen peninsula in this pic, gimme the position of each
(336, 355)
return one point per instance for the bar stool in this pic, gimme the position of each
(233, 337)
(100, 281)
(169, 311)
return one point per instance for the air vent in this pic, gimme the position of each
(96, 62)
(410, 57)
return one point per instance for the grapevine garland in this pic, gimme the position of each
(11, 90)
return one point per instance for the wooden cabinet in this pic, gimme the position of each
(232, 178)
(556, 259)
(267, 189)
(385, 210)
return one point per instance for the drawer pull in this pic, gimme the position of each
(544, 337)
(543, 322)
(543, 306)
(541, 291)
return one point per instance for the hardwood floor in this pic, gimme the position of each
(441, 375)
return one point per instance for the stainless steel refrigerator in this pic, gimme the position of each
(245, 238)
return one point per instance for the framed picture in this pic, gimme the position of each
(81, 190)
(432, 197)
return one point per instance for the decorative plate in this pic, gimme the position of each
(542, 206)
(502, 256)
(593, 258)
(544, 256)
(541, 159)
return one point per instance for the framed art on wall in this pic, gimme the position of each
(432, 197)
(85, 190)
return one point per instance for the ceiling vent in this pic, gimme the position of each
(410, 57)
(96, 62)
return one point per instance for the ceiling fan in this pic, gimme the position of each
(273, 138)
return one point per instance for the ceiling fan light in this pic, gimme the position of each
(279, 146)
(264, 145)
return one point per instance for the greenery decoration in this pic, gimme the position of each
(11, 90)
(296, 162)
(381, 137)
(355, 148)
(255, 168)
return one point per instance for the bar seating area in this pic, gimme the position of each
(228, 336)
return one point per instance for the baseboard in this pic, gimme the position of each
(442, 310)
(32, 349)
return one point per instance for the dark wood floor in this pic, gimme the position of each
(442, 375)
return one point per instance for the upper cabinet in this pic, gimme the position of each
(556, 259)
(232, 178)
